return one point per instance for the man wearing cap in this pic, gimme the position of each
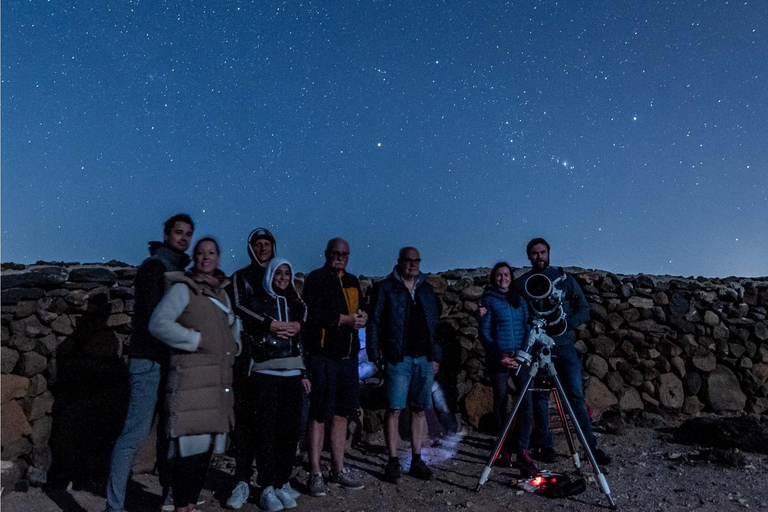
(242, 290)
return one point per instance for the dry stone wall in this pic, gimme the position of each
(652, 344)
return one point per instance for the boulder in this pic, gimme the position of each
(678, 366)
(14, 295)
(62, 325)
(722, 391)
(13, 424)
(472, 292)
(22, 343)
(38, 277)
(478, 402)
(670, 390)
(630, 400)
(596, 365)
(679, 305)
(761, 331)
(660, 299)
(41, 429)
(13, 386)
(711, 318)
(693, 382)
(614, 381)
(32, 363)
(704, 360)
(38, 406)
(641, 302)
(599, 397)
(24, 309)
(30, 326)
(8, 359)
(92, 275)
(692, 405)
(603, 345)
(598, 312)
(37, 385)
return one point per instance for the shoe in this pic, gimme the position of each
(290, 491)
(547, 454)
(285, 498)
(601, 456)
(526, 464)
(420, 470)
(392, 471)
(345, 479)
(504, 460)
(168, 500)
(316, 485)
(239, 495)
(269, 500)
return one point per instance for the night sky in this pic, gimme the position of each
(632, 135)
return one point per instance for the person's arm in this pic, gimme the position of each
(149, 287)
(241, 303)
(437, 345)
(320, 308)
(378, 299)
(486, 328)
(579, 305)
(163, 323)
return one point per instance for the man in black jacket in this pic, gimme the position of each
(146, 359)
(401, 336)
(334, 315)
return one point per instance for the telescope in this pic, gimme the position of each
(548, 319)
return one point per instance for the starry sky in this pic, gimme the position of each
(632, 135)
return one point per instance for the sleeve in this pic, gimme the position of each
(579, 305)
(241, 303)
(378, 298)
(163, 324)
(148, 285)
(437, 344)
(492, 351)
(235, 325)
(320, 312)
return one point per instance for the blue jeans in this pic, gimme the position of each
(409, 383)
(533, 407)
(145, 381)
(568, 366)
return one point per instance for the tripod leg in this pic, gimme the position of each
(568, 436)
(500, 442)
(582, 438)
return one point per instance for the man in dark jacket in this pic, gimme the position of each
(147, 357)
(334, 315)
(566, 359)
(401, 336)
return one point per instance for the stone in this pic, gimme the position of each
(759, 405)
(648, 325)
(13, 386)
(14, 295)
(649, 399)
(681, 324)
(47, 344)
(722, 391)
(603, 346)
(670, 390)
(32, 363)
(693, 382)
(633, 377)
(614, 381)
(41, 429)
(711, 318)
(478, 402)
(20, 448)
(762, 353)
(660, 299)
(720, 333)
(118, 320)
(24, 309)
(679, 305)
(736, 349)
(615, 320)
(745, 363)
(439, 284)
(641, 302)
(13, 472)
(37, 477)
(704, 360)
(599, 397)
(22, 343)
(30, 326)
(55, 305)
(631, 315)
(598, 312)
(761, 331)
(38, 406)
(46, 317)
(8, 359)
(678, 366)
(630, 400)
(37, 385)
(596, 365)
(42, 456)
(13, 424)
(92, 275)
(62, 325)
(41, 276)
(692, 405)
(472, 292)
(759, 372)
(659, 315)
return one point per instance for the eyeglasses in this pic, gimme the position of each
(411, 260)
(337, 254)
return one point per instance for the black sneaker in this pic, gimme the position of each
(420, 470)
(526, 464)
(601, 457)
(392, 471)
(547, 454)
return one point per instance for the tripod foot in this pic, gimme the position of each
(477, 488)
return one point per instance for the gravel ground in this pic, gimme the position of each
(648, 473)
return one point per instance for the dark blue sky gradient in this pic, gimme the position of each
(632, 135)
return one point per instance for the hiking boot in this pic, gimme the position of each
(316, 485)
(285, 498)
(269, 501)
(547, 454)
(168, 500)
(345, 479)
(420, 470)
(290, 491)
(392, 471)
(239, 495)
(601, 457)
(526, 464)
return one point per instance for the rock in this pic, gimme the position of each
(759, 405)
(692, 405)
(614, 381)
(62, 325)
(649, 399)
(478, 402)
(761, 331)
(670, 390)
(22, 343)
(631, 315)
(599, 397)
(439, 284)
(92, 275)
(24, 309)
(46, 317)
(603, 346)
(759, 373)
(682, 324)
(641, 302)
(704, 360)
(678, 366)
(42, 456)
(37, 385)
(679, 305)
(596, 365)
(41, 276)
(13, 386)
(634, 377)
(660, 299)
(711, 318)
(32, 363)
(472, 292)
(693, 382)
(20, 448)
(41, 429)
(722, 391)
(648, 325)
(30, 326)
(118, 320)
(13, 424)
(14, 295)
(736, 350)
(8, 359)
(55, 305)
(720, 333)
(630, 400)
(47, 344)
(598, 312)
(13, 472)
(38, 406)
(615, 320)
(37, 477)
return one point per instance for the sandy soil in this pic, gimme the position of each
(648, 473)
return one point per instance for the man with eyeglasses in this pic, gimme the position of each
(401, 338)
(334, 316)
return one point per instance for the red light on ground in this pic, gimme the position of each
(537, 481)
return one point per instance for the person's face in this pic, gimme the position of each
(282, 277)
(206, 258)
(409, 264)
(179, 237)
(337, 256)
(502, 278)
(262, 248)
(539, 256)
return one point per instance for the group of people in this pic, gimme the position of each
(238, 355)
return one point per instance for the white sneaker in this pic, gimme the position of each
(239, 495)
(293, 493)
(285, 498)
(269, 500)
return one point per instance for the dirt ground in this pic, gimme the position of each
(648, 473)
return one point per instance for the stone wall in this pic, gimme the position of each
(653, 343)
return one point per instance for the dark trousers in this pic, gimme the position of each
(519, 439)
(243, 436)
(277, 426)
(188, 477)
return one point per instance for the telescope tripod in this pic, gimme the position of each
(544, 362)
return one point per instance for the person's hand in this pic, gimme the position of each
(482, 310)
(280, 329)
(360, 319)
(307, 385)
(348, 320)
(292, 328)
(508, 362)
(435, 367)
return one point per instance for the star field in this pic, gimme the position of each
(631, 135)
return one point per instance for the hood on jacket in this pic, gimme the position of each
(269, 275)
(257, 234)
